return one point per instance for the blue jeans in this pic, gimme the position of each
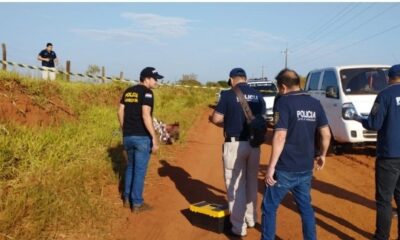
(138, 149)
(299, 184)
(387, 184)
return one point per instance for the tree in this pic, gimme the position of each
(189, 79)
(93, 70)
(223, 83)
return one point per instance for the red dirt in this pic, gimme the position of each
(342, 194)
(17, 105)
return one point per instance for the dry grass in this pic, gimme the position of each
(52, 178)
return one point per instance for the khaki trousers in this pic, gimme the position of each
(47, 75)
(241, 164)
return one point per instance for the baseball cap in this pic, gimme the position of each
(236, 72)
(150, 72)
(394, 71)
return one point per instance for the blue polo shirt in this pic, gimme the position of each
(46, 54)
(385, 118)
(235, 124)
(300, 115)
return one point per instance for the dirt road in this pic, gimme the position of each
(342, 194)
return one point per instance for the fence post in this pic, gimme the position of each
(3, 46)
(103, 74)
(68, 70)
(121, 76)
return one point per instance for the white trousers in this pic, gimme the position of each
(241, 164)
(47, 75)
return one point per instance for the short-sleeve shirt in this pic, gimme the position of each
(385, 118)
(300, 115)
(235, 124)
(133, 99)
(46, 54)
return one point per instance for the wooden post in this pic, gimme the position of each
(3, 46)
(121, 76)
(68, 70)
(103, 74)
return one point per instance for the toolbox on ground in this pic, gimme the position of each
(213, 217)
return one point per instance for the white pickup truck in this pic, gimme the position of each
(345, 91)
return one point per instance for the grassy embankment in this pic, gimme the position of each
(52, 177)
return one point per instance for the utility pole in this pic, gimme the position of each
(3, 46)
(286, 56)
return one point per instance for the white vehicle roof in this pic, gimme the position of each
(352, 66)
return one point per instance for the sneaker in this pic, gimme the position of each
(141, 208)
(126, 203)
(251, 225)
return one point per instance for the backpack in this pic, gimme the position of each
(257, 124)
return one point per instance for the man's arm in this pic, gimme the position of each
(325, 141)
(43, 59)
(217, 118)
(377, 115)
(148, 122)
(278, 142)
(120, 114)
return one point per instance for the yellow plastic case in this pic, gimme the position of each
(210, 209)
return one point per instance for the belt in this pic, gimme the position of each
(236, 139)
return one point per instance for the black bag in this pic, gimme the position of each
(257, 124)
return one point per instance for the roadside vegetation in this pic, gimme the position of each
(52, 176)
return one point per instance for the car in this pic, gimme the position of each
(268, 90)
(344, 92)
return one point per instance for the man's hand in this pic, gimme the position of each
(155, 147)
(320, 162)
(269, 178)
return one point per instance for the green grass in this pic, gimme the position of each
(52, 178)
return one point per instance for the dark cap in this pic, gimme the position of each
(394, 71)
(150, 72)
(237, 72)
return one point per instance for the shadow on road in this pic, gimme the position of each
(335, 191)
(192, 189)
(118, 160)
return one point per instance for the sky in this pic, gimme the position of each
(206, 39)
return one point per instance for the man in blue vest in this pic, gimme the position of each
(241, 161)
(298, 116)
(385, 118)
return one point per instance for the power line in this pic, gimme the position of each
(353, 29)
(324, 24)
(335, 28)
(328, 24)
(354, 43)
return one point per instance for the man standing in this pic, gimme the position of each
(241, 161)
(49, 59)
(298, 116)
(385, 118)
(139, 137)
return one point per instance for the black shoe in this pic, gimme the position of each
(142, 208)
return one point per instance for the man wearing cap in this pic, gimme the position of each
(241, 161)
(139, 137)
(298, 117)
(49, 59)
(385, 118)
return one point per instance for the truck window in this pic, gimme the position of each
(364, 80)
(329, 80)
(314, 80)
